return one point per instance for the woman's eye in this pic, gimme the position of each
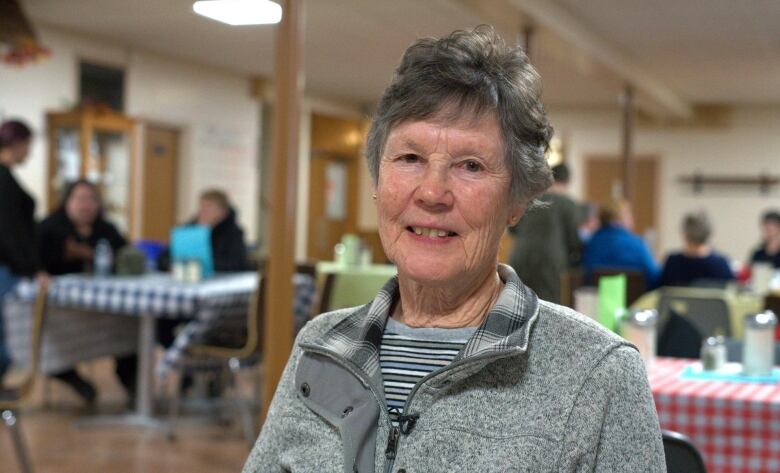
(410, 158)
(472, 166)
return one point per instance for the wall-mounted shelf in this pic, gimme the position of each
(764, 182)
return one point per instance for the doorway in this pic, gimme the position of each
(161, 157)
(333, 183)
(603, 184)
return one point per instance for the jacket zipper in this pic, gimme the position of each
(393, 432)
(393, 435)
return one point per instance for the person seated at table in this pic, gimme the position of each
(697, 264)
(614, 246)
(456, 365)
(769, 249)
(227, 247)
(67, 241)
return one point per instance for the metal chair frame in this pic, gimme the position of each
(682, 445)
(12, 398)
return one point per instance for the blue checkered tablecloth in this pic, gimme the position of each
(82, 323)
(157, 294)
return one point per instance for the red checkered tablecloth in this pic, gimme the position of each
(736, 426)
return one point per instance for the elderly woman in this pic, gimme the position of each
(697, 264)
(456, 365)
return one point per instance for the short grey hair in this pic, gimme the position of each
(696, 228)
(469, 73)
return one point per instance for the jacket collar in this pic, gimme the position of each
(506, 328)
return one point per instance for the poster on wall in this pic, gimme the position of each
(336, 191)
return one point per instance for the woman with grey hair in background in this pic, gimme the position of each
(456, 365)
(697, 264)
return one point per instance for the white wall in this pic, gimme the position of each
(748, 146)
(218, 117)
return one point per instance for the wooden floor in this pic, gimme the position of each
(57, 445)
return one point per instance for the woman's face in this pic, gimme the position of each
(443, 199)
(83, 205)
(19, 151)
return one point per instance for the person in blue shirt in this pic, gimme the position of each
(614, 246)
(697, 264)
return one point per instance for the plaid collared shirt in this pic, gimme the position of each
(358, 337)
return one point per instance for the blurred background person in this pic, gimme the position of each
(614, 246)
(67, 241)
(589, 221)
(228, 248)
(769, 249)
(18, 255)
(697, 264)
(547, 240)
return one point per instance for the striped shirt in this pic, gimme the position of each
(408, 354)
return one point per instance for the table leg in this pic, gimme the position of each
(144, 408)
(144, 390)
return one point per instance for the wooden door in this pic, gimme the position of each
(603, 183)
(161, 156)
(333, 183)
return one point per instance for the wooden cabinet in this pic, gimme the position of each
(98, 145)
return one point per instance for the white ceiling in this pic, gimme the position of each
(704, 50)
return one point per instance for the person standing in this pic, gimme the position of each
(18, 253)
(547, 241)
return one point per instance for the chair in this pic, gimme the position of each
(706, 309)
(635, 281)
(571, 280)
(681, 455)
(349, 289)
(772, 302)
(230, 361)
(11, 398)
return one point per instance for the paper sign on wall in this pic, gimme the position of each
(336, 191)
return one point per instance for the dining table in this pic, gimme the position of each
(144, 299)
(734, 424)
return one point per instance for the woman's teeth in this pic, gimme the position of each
(431, 232)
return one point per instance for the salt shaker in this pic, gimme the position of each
(639, 328)
(758, 356)
(713, 353)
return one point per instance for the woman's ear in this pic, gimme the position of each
(515, 213)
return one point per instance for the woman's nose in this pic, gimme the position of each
(434, 191)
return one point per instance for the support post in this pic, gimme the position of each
(288, 80)
(627, 137)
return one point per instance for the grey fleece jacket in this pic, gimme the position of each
(538, 388)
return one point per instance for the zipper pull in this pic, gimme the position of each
(392, 443)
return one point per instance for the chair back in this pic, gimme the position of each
(254, 327)
(36, 341)
(571, 280)
(681, 455)
(349, 289)
(635, 281)
(772, 302)
(706, 309)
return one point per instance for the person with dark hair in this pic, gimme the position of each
(697, 264)
(456, 365)
(769, 249)
(615, 246)
(18, 255)
(547, 241)
(67, 241)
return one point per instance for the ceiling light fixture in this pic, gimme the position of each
(240, 12)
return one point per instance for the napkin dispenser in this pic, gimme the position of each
(758, 357)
